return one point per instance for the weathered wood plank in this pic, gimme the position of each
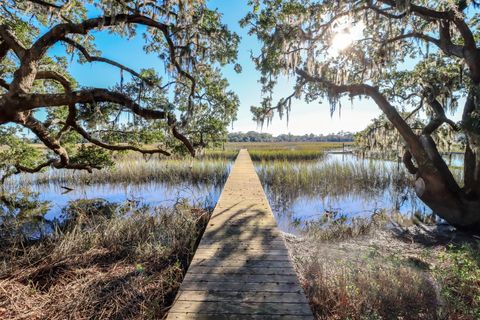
(241, 256)
(278, 278)
(215, 316)
(240, 263)
(246, 251)
(242, 287)
(263, 243)
(219, 296)
(241, 269)
(226, 307)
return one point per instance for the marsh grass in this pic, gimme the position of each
(286, 155)
(213, 154)
(128, 265)
(138, 171)
(319, 146)
(386, 267)
(369, 289)
(357, 271)
(330, 178)
(266, 154)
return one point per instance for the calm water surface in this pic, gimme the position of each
(153, 194)
(292, 213)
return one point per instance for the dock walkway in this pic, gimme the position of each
(241, 269)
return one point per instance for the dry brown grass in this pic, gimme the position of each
(376, 274)
(126, 267)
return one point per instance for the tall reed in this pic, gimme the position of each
(327, 178)
(285, 155)
(139, 171)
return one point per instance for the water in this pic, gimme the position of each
(292, 210)
(151, 194)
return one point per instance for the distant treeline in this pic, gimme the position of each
(253, 136)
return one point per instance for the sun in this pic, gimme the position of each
(341, 41)
(344, 37)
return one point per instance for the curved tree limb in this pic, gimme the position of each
(91, 58)
(104, 145)
(439, 118)
(390, 111)
(447, 47)
(55, 76)
(4, 84)
(385, 13)
(450, 15)
(27, 102)
(172, 122)
(423, 149)
(46, 4)
(407, 160)
(3, 50)
(22, 81)
(10, 42)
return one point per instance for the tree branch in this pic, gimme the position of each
(439, 118)
(99, 143)
(55, 76)
(11, 42)
(173, 124)
(46, 4)
(91, 58)
(3, 50)
(449, 15)
(26, 102)
(370, 5)
(391, 113)
(407, 160)
(4, 84)
(448, 48)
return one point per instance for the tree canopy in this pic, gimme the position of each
(182, 106)
(408, 56)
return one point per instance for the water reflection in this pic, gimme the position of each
(152, 194)
(360, 196)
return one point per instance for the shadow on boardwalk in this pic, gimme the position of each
(241, 269)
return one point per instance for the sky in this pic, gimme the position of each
(304, 118)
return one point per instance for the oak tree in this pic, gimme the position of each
(408, 56)
(177, 106)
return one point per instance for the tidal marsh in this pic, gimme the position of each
(300, 145)
(127, 265)
(340, 183)
(138, 171)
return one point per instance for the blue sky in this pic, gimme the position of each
(304, 118)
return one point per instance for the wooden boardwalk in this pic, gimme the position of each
(241, 269)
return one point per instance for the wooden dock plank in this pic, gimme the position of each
(215, 316)
(278, 278)
(227, 307)
(242, 286)
(241, 269)
(278, 297)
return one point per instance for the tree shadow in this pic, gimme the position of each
(241, 266)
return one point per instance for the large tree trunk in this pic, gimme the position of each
(435, 184)
(457, 209)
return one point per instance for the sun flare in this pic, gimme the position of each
(345, 36)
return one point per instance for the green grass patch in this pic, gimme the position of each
(459, 274)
